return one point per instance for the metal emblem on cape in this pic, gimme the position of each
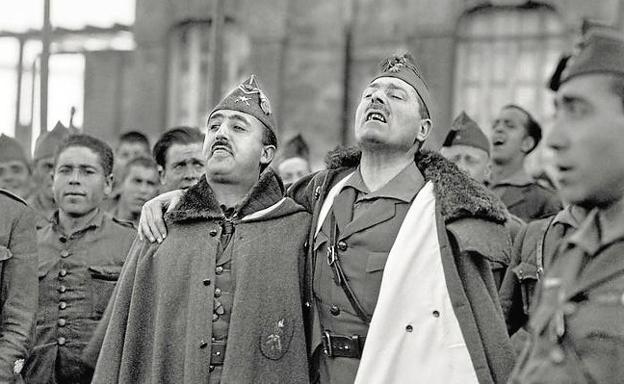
(274, 345)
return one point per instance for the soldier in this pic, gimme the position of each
(42, 198)
(138, 184)
(14, 167)
(219, 299)
(178, 153)
(132, 144)
(395, 211)
(515, 134)
(80, 257)
(467, 146)
(295, 160)
(577, 323)
(18, 292)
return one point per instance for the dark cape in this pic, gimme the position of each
(161, 320)
(472, 235)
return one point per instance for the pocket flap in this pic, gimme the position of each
(105, 272)
(524, 271)
(5, 253)
(376, 261)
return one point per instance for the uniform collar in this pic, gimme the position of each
(592, 236)
(404, 186)
(519, 179)
(95, 222)
(572, 216)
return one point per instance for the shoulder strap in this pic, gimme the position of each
(540, 245)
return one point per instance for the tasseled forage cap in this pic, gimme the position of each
(11, 149)
(48, 143)
(466, 131)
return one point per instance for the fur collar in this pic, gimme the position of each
(199, 201)
(459, 195)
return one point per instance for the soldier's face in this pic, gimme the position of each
(140, 185)
(588, 141)
(80, 184)
(233, 147)
(42, 175)
(509, 136)
(15, 177)
(388, 116)
(471, 160)
(183, 167)
(128, 151)
(293, 169)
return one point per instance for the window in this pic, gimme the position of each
(506, 55)
(190, 65)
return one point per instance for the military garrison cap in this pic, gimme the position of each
(11, 149)
(466, 131)
(250, 99)
(48, 143)
(602, 51)
(404, 67)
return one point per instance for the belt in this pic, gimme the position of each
(217, 353)
(342, 346)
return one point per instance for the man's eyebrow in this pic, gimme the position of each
(216, 115)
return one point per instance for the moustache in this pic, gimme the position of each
(221, 143)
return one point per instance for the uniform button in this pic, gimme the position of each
(62, 305)
(334, 310)
(63, 240)
(206, 282)
(436, 314)
(64, 253)
(342, 246)
(63, 273)
(62, 289)
(556, 355)
(211, 368)
(213, 232)
(61, 340)
(61, 322)
(219, 270)
(409, 328)
(215, 317)
(217, 292)
(203, 344)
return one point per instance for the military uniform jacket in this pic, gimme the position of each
(471, 234)
(527, 199)
(534, 251)
(578, 327)
(18, 284)
(161, 322)
(77, 274)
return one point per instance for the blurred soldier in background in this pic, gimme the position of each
(295, 160)
(139, 183)
(81, 253)
(14, 167)
(577, 327)
(178, 153)
(131, 144)
(18, 289)
(515, 134)
(42, 198)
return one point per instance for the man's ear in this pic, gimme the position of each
(527, 145)
(108, 184)
(267, 155)
(161, 174)
(424, 130)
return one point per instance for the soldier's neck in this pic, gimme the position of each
(378, 168)
(70, 224)
(506, 171)
(230, 194)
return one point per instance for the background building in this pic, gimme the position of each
(314, 58)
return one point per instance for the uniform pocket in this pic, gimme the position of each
(376, 261)
(103, 280)
(275, 338)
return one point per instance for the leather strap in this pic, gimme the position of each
(333, 260)
(217, 353)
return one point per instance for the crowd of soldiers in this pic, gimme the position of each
(202, 261)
